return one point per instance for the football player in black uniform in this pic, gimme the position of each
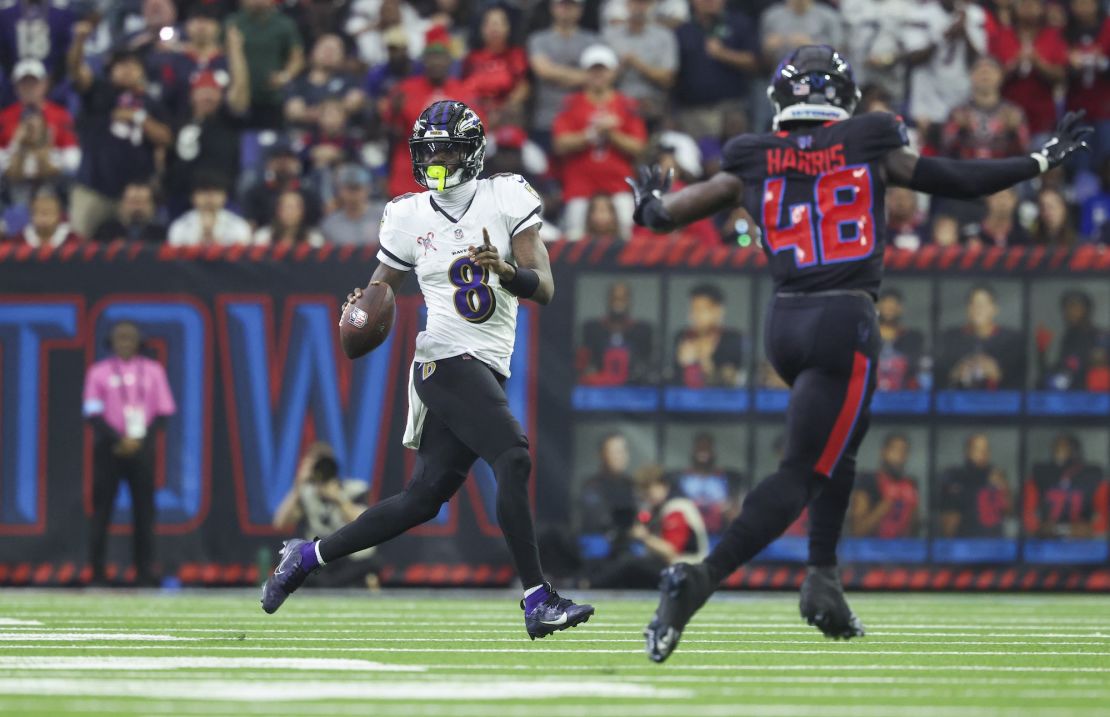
(816, 185)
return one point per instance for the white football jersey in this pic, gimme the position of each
(468, 311)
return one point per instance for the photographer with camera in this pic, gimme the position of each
(321, 503)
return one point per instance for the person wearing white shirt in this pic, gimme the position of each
(209, 222)
(942, 38)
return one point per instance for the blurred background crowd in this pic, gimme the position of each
(285, 121)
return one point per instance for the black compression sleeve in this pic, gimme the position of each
(970, 178)
(655, 216)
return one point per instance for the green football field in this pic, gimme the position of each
(409, 654)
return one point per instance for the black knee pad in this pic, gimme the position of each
(514, 464)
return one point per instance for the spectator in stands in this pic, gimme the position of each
(555, 57)
(886, 503)
(370, 21)
(599, 136)
(319, 503)
(355, 220)
(999, 226)
(873, 44)
(1081, 355)
(706, 352)
(497, 72)
(384, 76)
(981, 355)
(975, 499)
(289, 225)
(282, 172)
(601, 219)
(1088, 74)
(208, 136)
(668, 529)
(717, 58)
(607, 499)
(905, 222)
(136, 218)
(1054, 222)
(945, 230)
(715, 490)
(330, 143)
(272, 45)
(176, 66)
(156, 31)
(648, 54)
(36, 31)
(37, 142)
(941, 38)
(987, 126)
(127, 399)
(408, 100)
(1065, 496)
(792, 23)
(325, 79)
(48, 227)
(903, 348)
(1034, 56)
(120, 129)
(617, 349)
(209, 222)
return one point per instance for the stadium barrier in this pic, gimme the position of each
(247, 337)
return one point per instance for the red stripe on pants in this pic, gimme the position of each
(846, 420)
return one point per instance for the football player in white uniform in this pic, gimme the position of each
(476, 249)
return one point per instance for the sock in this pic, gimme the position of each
(826, 517)
(768, 511)
(535, 596)
(310, 558)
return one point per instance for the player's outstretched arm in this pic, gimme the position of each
(971, 178)
(530, 277)
(662, 212)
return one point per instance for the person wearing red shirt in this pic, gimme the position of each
(497, 73)
(886, 503)
(1088, 36)
(37, 141)
(598, 136)
(409, 98)
(1034, 56)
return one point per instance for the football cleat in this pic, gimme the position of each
(683, 589)
(554, 614)
(822, 604)
(287, 576)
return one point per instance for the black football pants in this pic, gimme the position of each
(825, 346)
(138, 470)
(468, 418)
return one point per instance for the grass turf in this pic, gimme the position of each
(409, 654)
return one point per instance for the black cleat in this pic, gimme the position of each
(683, 589)
(554, 614)
(822, 604)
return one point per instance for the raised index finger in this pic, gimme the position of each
(485, 236)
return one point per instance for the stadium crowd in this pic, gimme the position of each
(268, 122)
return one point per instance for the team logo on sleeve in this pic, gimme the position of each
(357, 317)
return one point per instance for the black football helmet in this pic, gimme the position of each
(813, 83)
(447, 133)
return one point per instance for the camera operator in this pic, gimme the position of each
(321, 503)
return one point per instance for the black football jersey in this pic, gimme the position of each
(819, 196)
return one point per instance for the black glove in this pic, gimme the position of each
(1070, 136)
(650, 184)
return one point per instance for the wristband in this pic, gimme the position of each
(523, 284)
(1042, 161)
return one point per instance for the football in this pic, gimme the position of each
(366, 323)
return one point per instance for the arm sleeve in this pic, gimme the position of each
(394, 251)
(164, 404)
(521, 206)
(970, 178)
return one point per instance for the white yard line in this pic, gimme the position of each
(15, 621)
(255, 691)
(9, 636)
(217, 663)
